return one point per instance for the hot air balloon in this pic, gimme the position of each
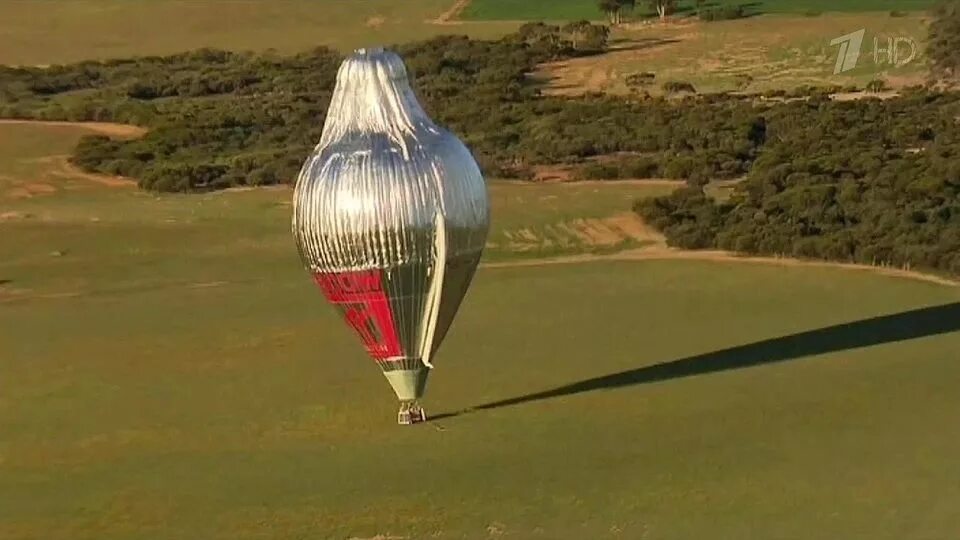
(390, 216)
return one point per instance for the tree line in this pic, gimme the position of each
(874, 181)
(220, 119)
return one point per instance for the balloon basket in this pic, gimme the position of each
(410, 413)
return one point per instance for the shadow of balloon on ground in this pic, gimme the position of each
(907, 325)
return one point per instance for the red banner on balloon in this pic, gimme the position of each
(366, 308)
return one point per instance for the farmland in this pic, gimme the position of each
(749, 55)
(175, 375)
(511, 10)
(60, 32)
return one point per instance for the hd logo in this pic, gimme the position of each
(894, 53)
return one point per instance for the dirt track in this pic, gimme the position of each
(69, 170)
(123, 131)
(449, 16)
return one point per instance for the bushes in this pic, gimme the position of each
(185, 177)
(943, 42)
(640, 167)
(678, 87)
(722, 13)
(870, 181)
(600, 171)
(266, 113)
(876, 85)
(210, 107)
(637, 80)
(875, 182)
(629, 167)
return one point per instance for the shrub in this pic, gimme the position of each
(678, 87)
(876, 85)
(644, 78)
(640, 167)
(723, 13)
(743, 80)
(600, 171)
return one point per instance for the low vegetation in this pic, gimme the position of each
(220, 119)
(723, 13)
(944, 46)
(559, 10)
(872, 181)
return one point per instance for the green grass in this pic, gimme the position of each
(543, 220)
(196, 386)
(512, 10)
(61, 31)
(521, 10)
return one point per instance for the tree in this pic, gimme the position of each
(576, 31)
(876, 85)
(537, 31)
(611, 8)
(626, 5)
(586, 37)
(663, 7)
(596, 38)
(614, 9)
(944, 42)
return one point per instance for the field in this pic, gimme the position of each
(752, 55)
(571, 10)
(755, 54)
(170, 372)
(60, 32)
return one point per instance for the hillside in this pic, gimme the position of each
(869, 181)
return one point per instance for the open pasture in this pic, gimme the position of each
(571, 10)
(169, 371)
(783, 50)
(749, 55)
(69, 31)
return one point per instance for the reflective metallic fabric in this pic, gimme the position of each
(390, 215)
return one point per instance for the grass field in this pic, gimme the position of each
(61, 31)
(507, 10)
(755, 54)
(169, 371)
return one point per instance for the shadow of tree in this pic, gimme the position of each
(907, 325)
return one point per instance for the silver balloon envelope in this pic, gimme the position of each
(390, 215)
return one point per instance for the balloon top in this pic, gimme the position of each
(366, 51)
(372, 62)
(373, 95)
